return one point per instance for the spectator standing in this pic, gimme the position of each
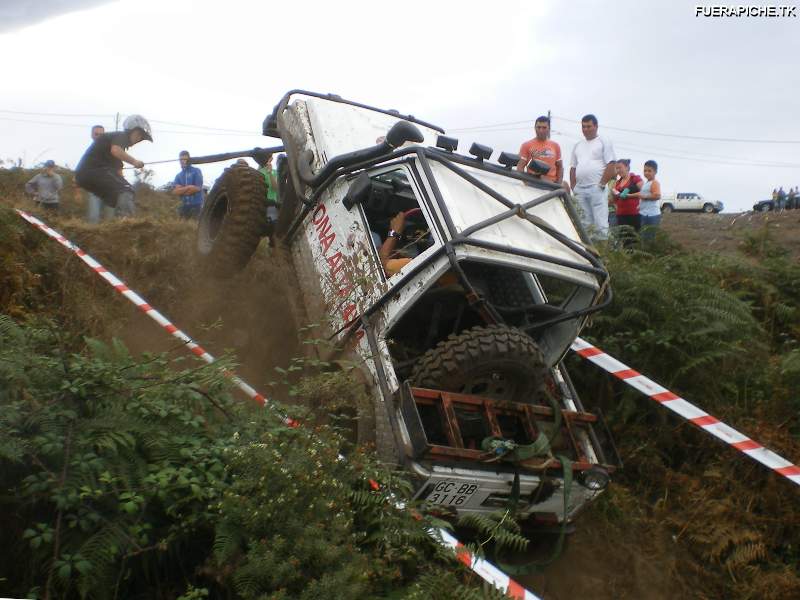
(100, 170)
(266, 170)
(781, 199)
(791, 198)
(591, 167)
(542, 148)
(649, 195)
(273, 203)
(45, 187)
(95, 210)
(189, 186)
(626, 191)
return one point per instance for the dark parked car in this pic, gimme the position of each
(769, 204)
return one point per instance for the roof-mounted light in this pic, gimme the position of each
(480, 151)
(508, 159)
(446, 143)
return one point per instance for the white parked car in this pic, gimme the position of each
(461, 345)
(689, 201)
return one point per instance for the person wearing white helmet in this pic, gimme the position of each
(100, 169)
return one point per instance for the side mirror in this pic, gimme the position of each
(359, 191)
(538, 166)
(269, 127)
(402, 132)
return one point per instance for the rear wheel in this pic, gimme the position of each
(232, 221)
(494, 361)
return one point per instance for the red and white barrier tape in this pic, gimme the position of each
(484, 569)
(142, 305)
(688, 411)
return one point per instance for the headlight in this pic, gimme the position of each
(595, 479)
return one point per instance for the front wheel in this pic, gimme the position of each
(667, 208)
(232, 221)
(708, 208)
(494, 361)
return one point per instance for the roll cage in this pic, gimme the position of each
(452, 238)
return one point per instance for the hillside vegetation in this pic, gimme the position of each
(126, 475)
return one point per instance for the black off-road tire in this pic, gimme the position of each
(232, 221)
(667, 208)
(494, 361)
(708, 208)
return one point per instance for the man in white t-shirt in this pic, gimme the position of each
(591, 167)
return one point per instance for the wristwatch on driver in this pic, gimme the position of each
(393, 234)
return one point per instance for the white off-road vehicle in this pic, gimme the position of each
(460, 321)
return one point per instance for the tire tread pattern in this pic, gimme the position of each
(243, 225)
(454, 358)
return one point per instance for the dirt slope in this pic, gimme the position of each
(731, 233)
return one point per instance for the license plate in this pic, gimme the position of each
(451, 493)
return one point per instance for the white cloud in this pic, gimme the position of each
(639, 65)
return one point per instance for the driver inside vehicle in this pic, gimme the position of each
(408, 236)
(398, 227)
(389, 254)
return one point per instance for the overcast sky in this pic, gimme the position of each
(647, 66)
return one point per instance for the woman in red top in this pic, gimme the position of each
(627, 208)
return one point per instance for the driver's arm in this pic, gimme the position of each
(393, 265)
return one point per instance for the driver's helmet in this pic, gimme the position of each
(138, 122)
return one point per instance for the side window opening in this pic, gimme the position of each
(392, 193)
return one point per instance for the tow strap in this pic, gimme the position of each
(505, 449)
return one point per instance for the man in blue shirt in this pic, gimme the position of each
(189, 186)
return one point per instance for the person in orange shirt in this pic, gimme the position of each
(542, 148)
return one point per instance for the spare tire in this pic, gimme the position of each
(232, 221)
(494, 361)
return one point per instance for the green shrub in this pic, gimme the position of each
(125, 478)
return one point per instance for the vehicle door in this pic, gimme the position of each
(694, 202)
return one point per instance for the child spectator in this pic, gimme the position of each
(649, 195)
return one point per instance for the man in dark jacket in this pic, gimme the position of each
(100, 169)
